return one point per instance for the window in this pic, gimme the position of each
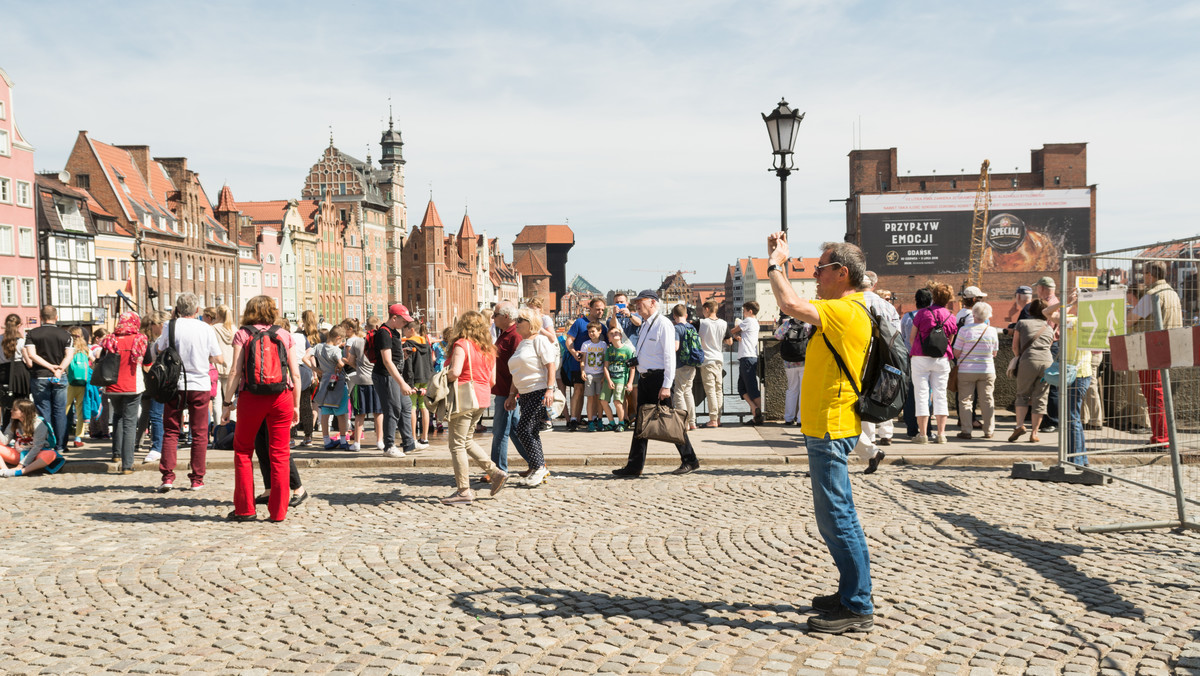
(6, 240)
(953, 183)
(1057, 180)
(368, 285)
(368, 264)
(270, 258)
(60, 248)
(83, 181)
(153, 270)
(1014, 183)
(124, 270)
(27, 292)
(4, 143)
(221, 275)
(84, 292)
(189, 271)
(353, 241)
(200, 272)
(288, 281)
(25, 242)
(64, 292)
(81, 250)
(308, 284)
(308, 257)
(2, 115)
(8, 291)
(24, 194)
(166, 273)
(212, 273)
(922, 185)
(177, 269)
(5, 189)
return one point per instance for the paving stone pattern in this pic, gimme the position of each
(709, 573)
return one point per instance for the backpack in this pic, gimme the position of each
(77, 370)
(690, 351)
(935, 342)
(162, 380)
(107, 369)
(885, 375)
(264, 369)
(371, 348)
(794, 345)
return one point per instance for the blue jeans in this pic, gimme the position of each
(1075, 394)
(503, 424)
(51, 402)
(837, 520)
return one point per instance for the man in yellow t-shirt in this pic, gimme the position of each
(829, 420)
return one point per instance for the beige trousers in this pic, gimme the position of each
(710, 375)
(462, 428)
(981, 386)
(681, 391)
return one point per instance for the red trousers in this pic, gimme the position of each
(252, 411)
(1152, 390)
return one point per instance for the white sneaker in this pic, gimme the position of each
(354, 447)
(394, 452)
(379, 445)
(420, 446)
(537, 477)
(153, 456)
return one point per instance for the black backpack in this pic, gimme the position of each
(885, 375)
(794, 345)
(107, 369)
(162, 380)
(934, 343)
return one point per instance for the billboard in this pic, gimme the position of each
(930, 233)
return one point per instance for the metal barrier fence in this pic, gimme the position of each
(1139, 410)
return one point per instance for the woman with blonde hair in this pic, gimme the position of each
(261, 399)
(472, 363)
(79, 370)
(224, 326)
(306, 336)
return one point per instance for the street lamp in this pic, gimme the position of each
(782, 125)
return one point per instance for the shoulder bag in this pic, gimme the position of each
(462, 395)
(952, 384)
(1012, 363)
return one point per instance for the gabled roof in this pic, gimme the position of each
(465, 230)
(545, 234)
(213, 230)
(47, 214)
(531, 266)
(431, 218)
(270, 211)
(140, 198)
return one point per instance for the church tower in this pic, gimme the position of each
(392, 162)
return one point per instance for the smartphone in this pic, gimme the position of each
(620, 306)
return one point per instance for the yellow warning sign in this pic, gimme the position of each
(1086, 282)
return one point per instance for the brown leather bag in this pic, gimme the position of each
(660, 422)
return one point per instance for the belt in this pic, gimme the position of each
(651, 371)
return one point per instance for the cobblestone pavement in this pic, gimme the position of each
(712, 572)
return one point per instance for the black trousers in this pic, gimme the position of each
(647, 393)
(264, 461)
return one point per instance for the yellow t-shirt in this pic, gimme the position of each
(826, 398)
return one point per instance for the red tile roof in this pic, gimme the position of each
(531, 266)
(95, 207)
(465, 230)
(545, 234)
(225, 200)
(118, 164)
(431, 218)
(271, 211)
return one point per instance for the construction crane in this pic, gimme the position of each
(983, 204)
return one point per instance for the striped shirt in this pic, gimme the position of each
(974, 358)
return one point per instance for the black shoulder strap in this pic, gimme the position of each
(838, 358)
(171, 335)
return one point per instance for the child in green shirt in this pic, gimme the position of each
(617, 360)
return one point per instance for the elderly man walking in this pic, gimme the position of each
(504, 421)
(1158, 293)
(198, 348)
(656, 363)
(830, 421)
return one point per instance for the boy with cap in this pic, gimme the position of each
(387, 351)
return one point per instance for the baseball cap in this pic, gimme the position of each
(1046, 282)
(973, 292)
(398, 310)
(647, 293)
(1025, 290)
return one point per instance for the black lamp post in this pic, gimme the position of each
(782, 125)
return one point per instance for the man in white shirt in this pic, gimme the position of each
(867, 447)
(712, 338)
(656, 364)
(197, 345)
(746, 335)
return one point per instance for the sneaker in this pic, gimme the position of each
(166, 487)
(379, 445)
(394, 452)
(840, 621)
(153, 456)
(686, 468)
(620, 427)
(332, 443)
(547, 426)
(920, 439)
(197, 485)
(964, 435)
(424, 442)
(234, 516)
(758, 418)
(420, 446)
(355, 447)
(592, 426)
(126, 471)
(886, 441)
(872, 465)
(78, 442)
(498, 482)
(344, 446)
(607, 427)
(941, 439)
(537, 478)
(827, 604)
(459, 498)
(572, 425)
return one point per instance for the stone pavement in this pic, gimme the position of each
(709, 573)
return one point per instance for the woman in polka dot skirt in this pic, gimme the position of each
(532, 366)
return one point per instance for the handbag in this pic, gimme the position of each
(107, 367)
(1011, 371)
(952, 383)
(660, 422)
(1051, 374)
(462, 395)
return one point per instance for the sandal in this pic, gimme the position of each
(712, 423)
(1017, 433)
(1033, 439)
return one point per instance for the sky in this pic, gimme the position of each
(637, 123)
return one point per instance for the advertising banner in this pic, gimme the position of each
(930, 233)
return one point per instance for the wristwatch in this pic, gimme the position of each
(773, 267)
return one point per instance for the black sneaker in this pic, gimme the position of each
(572, 424)
(234, 516)
(873, 464)
(686, 468)
(840, 621)
(827, 604)
(262, 499)
(626, 473)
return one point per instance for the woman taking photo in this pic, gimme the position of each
(532, 367)
(473, 367)
(1031, 343)
(931, 372)
(262, 396)
(124, 395)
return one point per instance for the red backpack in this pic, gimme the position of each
(371, 349)
(264, 366)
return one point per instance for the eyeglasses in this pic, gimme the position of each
(818, 268)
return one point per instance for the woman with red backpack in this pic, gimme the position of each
(931, 339)
(264, 380)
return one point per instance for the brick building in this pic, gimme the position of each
(549, 245)
(916, 228)
(18, 250)
(179, 245)
(674, 290)
(439, 270)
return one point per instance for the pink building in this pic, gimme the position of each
(18, 219)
